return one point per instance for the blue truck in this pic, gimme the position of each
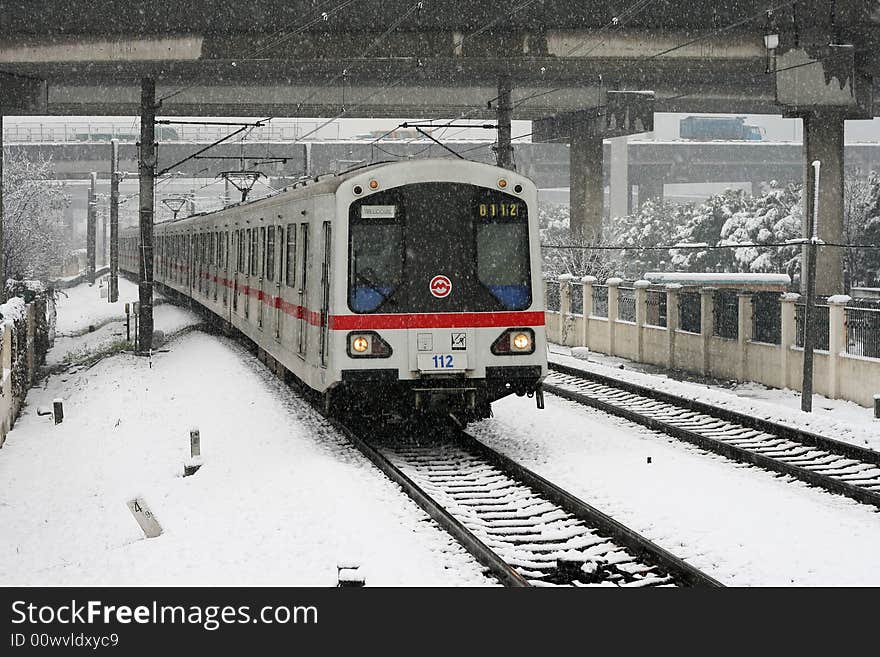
(709, 128)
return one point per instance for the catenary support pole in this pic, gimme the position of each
(809, 312)
(114, 221)
(91, 226)
(504, 113)
(586, 190)
(147, 171)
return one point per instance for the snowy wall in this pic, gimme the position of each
(836, 374)
(24, 338)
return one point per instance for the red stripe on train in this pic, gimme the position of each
(436, 320)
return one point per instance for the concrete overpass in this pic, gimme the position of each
(444, 58)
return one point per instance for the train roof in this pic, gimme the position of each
(328, 183)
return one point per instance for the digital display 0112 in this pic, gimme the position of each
(499, 210)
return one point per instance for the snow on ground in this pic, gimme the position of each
(72, 348)
(81, 306)
(741, 525)
(835, 418)
(280, 500)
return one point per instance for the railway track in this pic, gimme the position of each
(818, 460)
(524, 529)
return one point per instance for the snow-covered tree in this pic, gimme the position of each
(655, 223)
(771, 218)
(33, 217)
(574, 255)
(861, 224)
(704, 227)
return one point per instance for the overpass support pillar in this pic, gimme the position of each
(587, 187)
(624, 113)
(504, 115)
(823, 141)
(619, 190)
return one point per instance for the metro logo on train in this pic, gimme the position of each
(440, 286)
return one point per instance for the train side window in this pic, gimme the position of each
(250, 248)
(304, 229)
(270, 253)
(212, 243)
(262, 245)
(253, 249)
(279, 238)
(291, 255)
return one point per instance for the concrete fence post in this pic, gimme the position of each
(787, 336)
(672, 291)
(566, 321)
(588, 282)
(743, 334)
(707, 313)
(641, 290)
(613, 292)
(836, 340)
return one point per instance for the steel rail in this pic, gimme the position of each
(718, 446)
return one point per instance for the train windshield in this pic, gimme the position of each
(439, 247)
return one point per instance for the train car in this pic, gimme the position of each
(410, 286)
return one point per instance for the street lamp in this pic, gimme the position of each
(771, 43)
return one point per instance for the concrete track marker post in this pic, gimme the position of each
(195, 453)
(58, 410)
(144, 517)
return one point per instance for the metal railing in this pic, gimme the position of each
(98, 131)
(689, 312)
(577, 298)
(655, 308)
(626, 304)
(863, 332)
(600, 301)
(725, 314)
(766, 318)
(552, 300)
(820, 323)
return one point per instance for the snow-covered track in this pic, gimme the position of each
(526, 530)
(831, 464)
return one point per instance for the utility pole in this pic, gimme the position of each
(147, 171)
(104, 233)
(504, 112)
(809, 314)
(91, 227)
(114, 221)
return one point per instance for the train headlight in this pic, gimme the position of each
(515, 342)
(521, 341)
(367, 344)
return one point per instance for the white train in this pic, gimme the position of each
(410, 285)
